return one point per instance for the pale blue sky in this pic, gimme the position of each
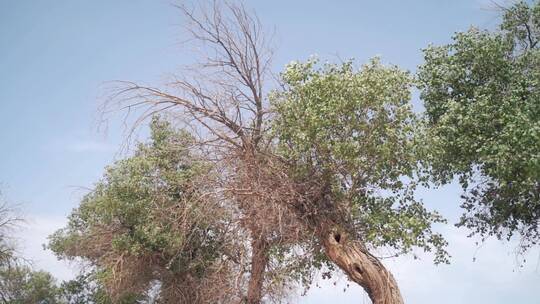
(56, 55)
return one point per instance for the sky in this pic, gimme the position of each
(56, 58)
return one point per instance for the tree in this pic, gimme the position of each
(323, 202)
(326, 202)
(348, 138)
(151, 223)
(8, 221)
(18, 283)
(482, 116)
(86, 289)
(222, 99)
(21, 285)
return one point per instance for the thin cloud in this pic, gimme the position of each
(89, 146)
(32, 235)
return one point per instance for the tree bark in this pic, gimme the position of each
(259, 260)
(360, 266)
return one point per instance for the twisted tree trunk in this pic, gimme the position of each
(360, 266)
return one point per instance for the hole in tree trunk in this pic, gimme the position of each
(337, 237)
(358, 269)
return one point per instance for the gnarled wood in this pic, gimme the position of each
(361, 267)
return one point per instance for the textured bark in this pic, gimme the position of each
(361, 267)
(259, 260)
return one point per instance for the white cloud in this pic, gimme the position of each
(89, 146)
(79, 145)
(33, 235)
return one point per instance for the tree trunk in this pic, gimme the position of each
(361, 267)
(259, 260)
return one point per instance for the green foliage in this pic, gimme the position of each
(481, 95)
(146, 219)
(156, 176)
(21, 285)
(86, 289)
(334, 118)
(355, 128)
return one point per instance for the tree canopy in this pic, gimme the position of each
(147, 224)
(481, 96)
(354, 129)
(20, 285)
